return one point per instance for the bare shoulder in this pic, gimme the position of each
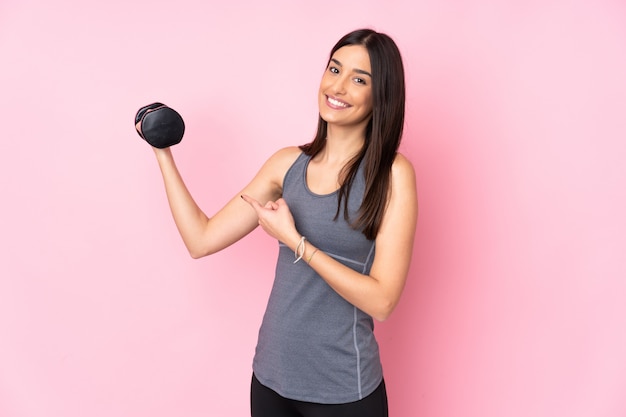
(403, 196)
(276, 166)
(285, 155)
(402, 171)
(281, 160)
(401, 212)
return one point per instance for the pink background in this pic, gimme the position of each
(516, 124)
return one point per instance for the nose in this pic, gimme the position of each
(339, 85)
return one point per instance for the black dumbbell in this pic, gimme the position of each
(159, 125)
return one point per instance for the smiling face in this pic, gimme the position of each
(345, 95)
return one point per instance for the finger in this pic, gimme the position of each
(281, 202)
(138, 128)
(271, 205)
(255, 204)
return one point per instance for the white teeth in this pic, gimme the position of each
(336, 102)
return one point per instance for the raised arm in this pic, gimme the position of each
(204, 235)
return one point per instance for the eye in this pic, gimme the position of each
(334, 70)
(360, 81)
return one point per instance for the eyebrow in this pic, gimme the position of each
(359, 71)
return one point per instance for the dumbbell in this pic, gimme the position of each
(159, 125)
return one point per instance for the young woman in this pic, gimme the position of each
(343, 209)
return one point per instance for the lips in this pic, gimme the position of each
(336, 103)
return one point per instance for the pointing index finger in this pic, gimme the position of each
(255, 204)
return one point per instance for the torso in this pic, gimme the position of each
(313, 344)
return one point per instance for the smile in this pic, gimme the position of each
(337, 103)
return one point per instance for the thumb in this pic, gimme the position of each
(271, 205)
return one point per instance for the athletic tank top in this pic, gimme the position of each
(313, 345)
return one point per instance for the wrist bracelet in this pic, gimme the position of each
(300, 249)
(311, 257)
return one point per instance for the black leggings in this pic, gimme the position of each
(265, 402)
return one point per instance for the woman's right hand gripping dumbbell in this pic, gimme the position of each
(159, 125)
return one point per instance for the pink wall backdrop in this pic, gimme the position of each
(516, 124)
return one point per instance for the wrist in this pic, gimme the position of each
(161, 151)
(300, 249)
(293, 241)
(304, 251)
(309, 257)
(162, 154)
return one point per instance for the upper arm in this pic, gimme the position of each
(236, 219)
(394, 242)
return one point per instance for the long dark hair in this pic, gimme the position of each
(382, 135)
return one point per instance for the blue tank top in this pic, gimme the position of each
(313, 345)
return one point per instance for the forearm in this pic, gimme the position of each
(363, 291)
(188, 217)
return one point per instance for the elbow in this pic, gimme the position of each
(195, 255)
(381, 317)
(384, 310)
(200, 249)
(197, 252)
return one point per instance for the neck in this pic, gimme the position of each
(342, 144)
